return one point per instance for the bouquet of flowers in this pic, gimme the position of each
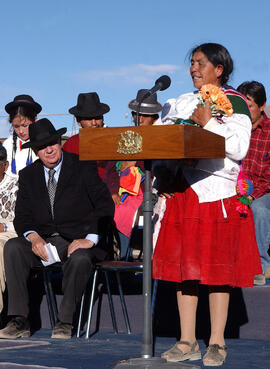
(219, 103)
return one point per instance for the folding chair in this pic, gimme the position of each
(50, 295)
(118, 267)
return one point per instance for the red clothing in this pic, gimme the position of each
(256, 164)
(112, 179)
(196, 242)
(72, 146)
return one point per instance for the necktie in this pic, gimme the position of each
(51, 187)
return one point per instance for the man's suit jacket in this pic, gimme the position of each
(82, 202)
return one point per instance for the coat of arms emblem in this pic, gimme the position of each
(129, 143)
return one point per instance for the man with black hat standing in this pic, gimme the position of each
(115, 171)
(89, 113)
(61, 201)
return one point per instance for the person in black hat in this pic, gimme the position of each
(126, 206)
(22, 112)
(61, 201)
(149, 109)
(89, 113)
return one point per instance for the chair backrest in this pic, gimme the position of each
(136, 238)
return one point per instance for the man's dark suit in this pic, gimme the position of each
(82, 206)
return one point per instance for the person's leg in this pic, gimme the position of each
(18, 260)
(76, 273)
(261, 214)
(219, 297)
(187, 348)
(124, 244)
(187, 299)
(4, 237)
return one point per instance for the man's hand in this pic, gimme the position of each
(116, 199)
(2, 228)
(202, 114)
(79, 244)
(38, 245)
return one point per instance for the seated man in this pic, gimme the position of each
(8, 193)
(61, 201)
(89, 113)
(257, 167)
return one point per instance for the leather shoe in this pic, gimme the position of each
(17, 327)
(62, 330)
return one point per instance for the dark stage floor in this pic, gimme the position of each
(103, 351)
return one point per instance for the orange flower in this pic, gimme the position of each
(217, 97)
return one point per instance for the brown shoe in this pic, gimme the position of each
(62, 330)
(16, 328)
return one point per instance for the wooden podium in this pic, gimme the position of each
(147, 143)
(157, 142)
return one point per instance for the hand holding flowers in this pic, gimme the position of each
(219, 103)
(213, 102)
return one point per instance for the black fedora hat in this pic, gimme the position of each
(150, 105)
(23, 100)
(89, 106)
(41, 133)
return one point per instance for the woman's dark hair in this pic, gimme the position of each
(217, 55)
(254, 89)
(23, 111)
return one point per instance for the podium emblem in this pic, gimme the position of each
(130, 143)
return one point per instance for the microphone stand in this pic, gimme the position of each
(147, 361)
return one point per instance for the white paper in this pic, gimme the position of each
(52, 255)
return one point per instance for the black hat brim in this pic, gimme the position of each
(45, 141)
(13, 104)
(103, 109)
(145, 108)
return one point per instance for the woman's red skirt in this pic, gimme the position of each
(196, 242)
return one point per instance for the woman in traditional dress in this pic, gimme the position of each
(22, 112)
(203, 238)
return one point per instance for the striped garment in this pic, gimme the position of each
(238, 101)
(256, 164)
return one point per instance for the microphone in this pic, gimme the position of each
(162, 83)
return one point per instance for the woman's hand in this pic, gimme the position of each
(166, 195)
(79, 244)
(202, 114)
(127, 164)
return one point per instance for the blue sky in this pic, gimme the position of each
(55, 49)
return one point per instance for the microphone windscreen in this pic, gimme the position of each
(164, 82)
